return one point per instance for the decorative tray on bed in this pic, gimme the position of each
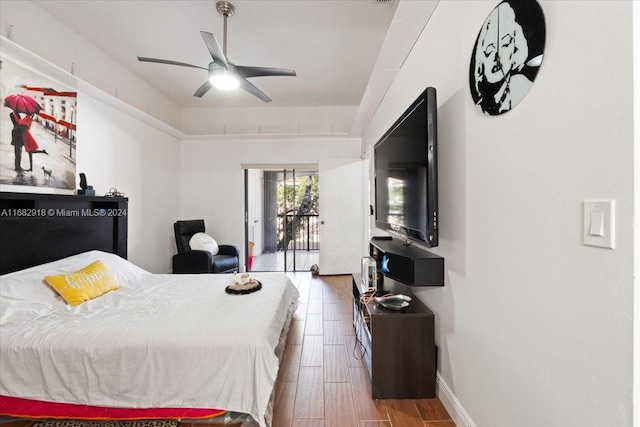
(243, 284)
(240, 289)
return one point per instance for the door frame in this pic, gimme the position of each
(284, 169)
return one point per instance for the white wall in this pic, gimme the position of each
(118, 146)
(36, 30)
(268, 120)
(636, 117)
(116, 150)
(212, 181)
(533, 327)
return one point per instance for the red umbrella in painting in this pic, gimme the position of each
(23, 104)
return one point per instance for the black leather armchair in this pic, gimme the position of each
(188, 261)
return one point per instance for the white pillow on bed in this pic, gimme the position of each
(23, 299)
(24, 296)
(121, 269)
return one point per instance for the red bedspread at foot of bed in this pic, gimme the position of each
(27, 408)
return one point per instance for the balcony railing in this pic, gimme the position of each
(299, 232)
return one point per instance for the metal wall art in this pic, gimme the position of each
(507, 55)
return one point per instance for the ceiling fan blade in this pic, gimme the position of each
(203, 89)
(246, 72)
(166, 61)
(244, 84)
(214, 48)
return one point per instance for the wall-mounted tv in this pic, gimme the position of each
(406, 173)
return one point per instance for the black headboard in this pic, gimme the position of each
(39, 228)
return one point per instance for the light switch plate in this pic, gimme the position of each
(599, 223)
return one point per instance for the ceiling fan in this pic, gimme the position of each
(222, 73)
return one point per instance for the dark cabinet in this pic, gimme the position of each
(398, 347)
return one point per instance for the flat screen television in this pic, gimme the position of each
(406, 174)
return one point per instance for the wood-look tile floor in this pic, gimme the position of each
(321, 383)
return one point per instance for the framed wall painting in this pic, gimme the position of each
(37, 130)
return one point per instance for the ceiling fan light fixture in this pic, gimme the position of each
(224, 79)
(223, 74)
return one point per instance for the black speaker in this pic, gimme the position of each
(407, 264)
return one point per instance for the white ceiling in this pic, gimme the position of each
(332, 45)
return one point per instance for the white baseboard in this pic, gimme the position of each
(452, 405)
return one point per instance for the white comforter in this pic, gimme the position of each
(158, 341)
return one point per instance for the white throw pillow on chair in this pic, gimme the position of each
(203, 242)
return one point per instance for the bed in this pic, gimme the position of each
(157, 342)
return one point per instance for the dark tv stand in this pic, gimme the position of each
(398, 347)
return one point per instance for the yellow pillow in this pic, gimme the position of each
(90, 282)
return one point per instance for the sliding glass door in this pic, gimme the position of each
(281, 219)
